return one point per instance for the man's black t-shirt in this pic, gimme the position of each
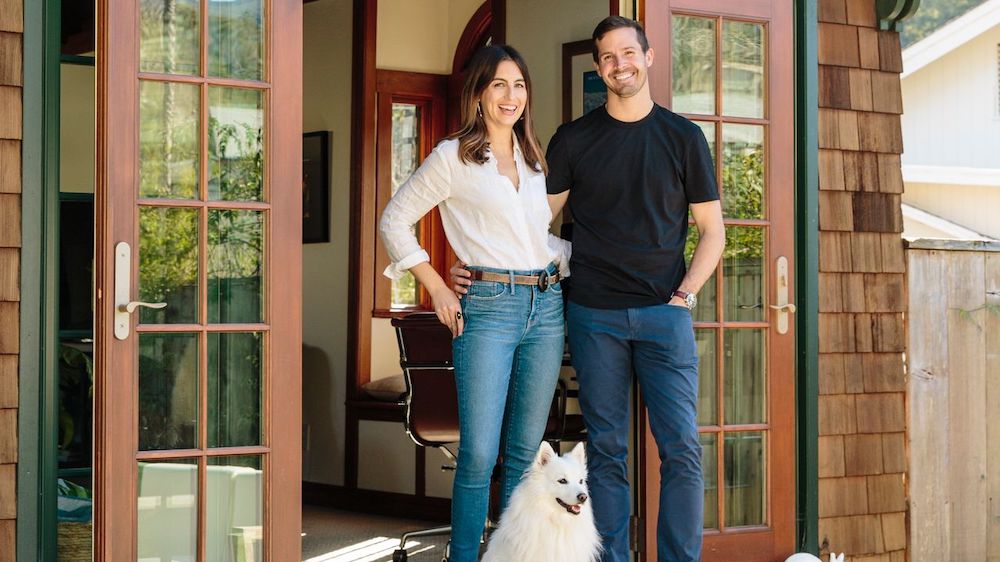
(630, 185)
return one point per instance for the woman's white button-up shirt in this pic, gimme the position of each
(488, 222)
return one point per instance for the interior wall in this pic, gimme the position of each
(77, 104)
(420, 35)
(326, 104)
(530, 31)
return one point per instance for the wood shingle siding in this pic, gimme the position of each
(11, 80)
(862, 457)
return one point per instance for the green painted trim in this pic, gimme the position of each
(807, 273)
(891, 12)
(28, 493)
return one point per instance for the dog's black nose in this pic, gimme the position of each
(581, 497)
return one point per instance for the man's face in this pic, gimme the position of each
(621, 63)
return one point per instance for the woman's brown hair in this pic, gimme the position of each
(472, 135)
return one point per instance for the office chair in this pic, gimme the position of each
(431, 399)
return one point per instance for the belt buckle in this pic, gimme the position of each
(543, 282)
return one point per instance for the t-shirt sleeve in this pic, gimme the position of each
(699, 170)
(560, 177)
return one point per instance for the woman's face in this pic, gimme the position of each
(505, 97)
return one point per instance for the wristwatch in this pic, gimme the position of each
(690, 299)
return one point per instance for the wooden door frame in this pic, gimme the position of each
(779, 69)
(115, 405)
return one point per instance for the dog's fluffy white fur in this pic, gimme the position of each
(549, 518)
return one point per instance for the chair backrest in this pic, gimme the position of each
(431, 398)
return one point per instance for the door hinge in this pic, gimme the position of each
(635, 534)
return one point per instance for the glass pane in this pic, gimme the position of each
(745, 468)
(168, 511)
(168, 391)
(234, 513)
(169, 36)
(743, 171)
(746, 377)
(707, 377)
(742, 69)
(168, 264)
(234, 389)
(743, 274)
(706, 311)
(710, 472)
(694, 65)
(236, 39)
(168, 140)
(235, 144)
(406, 125)
(235, 266)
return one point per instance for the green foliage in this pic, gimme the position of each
(931, 15)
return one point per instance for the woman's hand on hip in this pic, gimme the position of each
(461, 278)
(448, 310)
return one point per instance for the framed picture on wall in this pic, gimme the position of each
(583, 89)
(316, 187)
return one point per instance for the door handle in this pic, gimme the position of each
(124, 305)
(783, 308)
(130, 307)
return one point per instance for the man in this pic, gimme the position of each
(630, 171)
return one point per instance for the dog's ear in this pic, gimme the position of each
(545, 454)
(579, 454)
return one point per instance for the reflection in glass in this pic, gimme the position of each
(710, 472)
(168, 264)
(234, 389)
(168, 391)
(707, 377)
(169, 36)
(707, 297)
(167, 514)
(742, 69)
(168, 140)
(693, 65)
(743, 274)
(743, 171)
(236, 39)
(234, 512)
(235, 266)
(235, 144)
(406, 124)
(745, 376)
(745, 473)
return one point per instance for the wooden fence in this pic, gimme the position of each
(954, 400)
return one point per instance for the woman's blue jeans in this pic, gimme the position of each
(507, 363)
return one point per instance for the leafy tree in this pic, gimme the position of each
(931, 15)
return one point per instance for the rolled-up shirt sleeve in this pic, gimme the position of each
(561, 250)
(427, 187)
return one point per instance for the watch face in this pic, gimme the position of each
(691, 300)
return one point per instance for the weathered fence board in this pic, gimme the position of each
(954, 409)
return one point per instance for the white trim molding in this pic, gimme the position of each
(951, 175)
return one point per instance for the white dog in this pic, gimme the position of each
(549, 518)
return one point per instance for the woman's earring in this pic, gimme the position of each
(479, 108)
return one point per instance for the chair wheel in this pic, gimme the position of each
(399, 556)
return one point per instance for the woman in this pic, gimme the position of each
(488, 181)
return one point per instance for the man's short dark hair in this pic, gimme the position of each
(611, 23)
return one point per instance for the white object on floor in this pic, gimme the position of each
(803, 557)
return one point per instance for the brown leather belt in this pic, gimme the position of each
(540, 281)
